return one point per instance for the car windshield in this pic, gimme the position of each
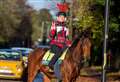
(25, 51)
(9, 55)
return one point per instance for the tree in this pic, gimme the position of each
(90, 15)
(8, 19)
(44, 15)
(41, 21)
(12, 13)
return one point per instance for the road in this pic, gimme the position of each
(81, 79)
(7, 80)
(87, 75)
(1, 80)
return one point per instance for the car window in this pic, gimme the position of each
(9, 55)
(24, 51)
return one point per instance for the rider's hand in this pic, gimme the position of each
(53, 26)
(68, 42)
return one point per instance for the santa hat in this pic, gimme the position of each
(61, 13)
(63, 8)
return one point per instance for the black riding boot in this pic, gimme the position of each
(58, 52)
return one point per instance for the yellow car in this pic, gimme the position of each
(25, 52)
(11, 64)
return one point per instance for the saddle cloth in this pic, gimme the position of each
(49, 55)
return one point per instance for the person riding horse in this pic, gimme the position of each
(68, 70)
(58, 36)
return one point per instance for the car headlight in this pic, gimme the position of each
(19, 69)
(25, 59)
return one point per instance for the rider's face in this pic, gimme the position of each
(61, 18)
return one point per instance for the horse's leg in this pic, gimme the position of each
(46, 79)
(33, 68)
(32, 71)
(34, 62)
(65, 79)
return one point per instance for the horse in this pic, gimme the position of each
(87, 46)
(70, 67)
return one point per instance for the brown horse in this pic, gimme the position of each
(87, 46)
(74, 61)
(70, 67)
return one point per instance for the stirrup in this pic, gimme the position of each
(47, 68)
(50, 69)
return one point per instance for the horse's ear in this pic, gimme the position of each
(79, 35)
(87, 32)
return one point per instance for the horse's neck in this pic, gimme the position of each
(74, 44)
(77, 53)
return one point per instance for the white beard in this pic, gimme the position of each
(59, 28)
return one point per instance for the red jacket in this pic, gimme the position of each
(59, 35)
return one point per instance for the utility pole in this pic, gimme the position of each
(70, 24)
(106, 26)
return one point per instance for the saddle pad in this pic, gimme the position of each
(48, 56)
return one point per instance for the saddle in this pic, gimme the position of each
(49, 55)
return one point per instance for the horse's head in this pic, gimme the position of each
(75, 51)
(86, 33)
(73, 61)
(81, 45)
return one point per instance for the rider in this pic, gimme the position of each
(58, 36)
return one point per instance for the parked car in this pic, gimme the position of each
(11, 64)
(25, 52)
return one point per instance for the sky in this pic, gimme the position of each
(49, 4)
(37, 4)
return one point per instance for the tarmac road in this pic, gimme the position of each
(2, 80)
(8, 80)
(81, 79)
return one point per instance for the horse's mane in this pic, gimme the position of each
(74, 43)
(72, 63)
